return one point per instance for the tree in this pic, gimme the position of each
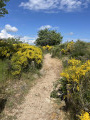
(48, 37)
(3, 10)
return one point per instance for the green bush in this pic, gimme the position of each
(79, 50)
(56, 51)
(48, 37)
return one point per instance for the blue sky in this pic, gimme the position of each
(26, 17)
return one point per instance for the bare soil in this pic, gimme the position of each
(38, 105)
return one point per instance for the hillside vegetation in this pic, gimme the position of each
(20, 61)
(75, 79)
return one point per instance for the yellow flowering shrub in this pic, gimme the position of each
(5, 52)
(76, 85)
(63, 51)
(85, 116)
(24, 56)
(20, 55)
(7, 49)
(44, 47)
(74, 62)
(47, 47)
(70, 46)
(75, 70)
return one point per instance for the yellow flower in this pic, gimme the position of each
(74, 62)
(66, 75)
(75, 71)
(47, 47)
(63, 51)
(77, 87)
(84, 116)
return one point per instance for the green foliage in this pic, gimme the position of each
(3, 10)
(54, 94)
(48, 37)
(9, 41)
(74, 86)
(56, 51)
(59, 89)
(65, 62)
(79, 50)
(3, 70)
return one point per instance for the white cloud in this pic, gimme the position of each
(28, 39)
(66, 5)
(70, 5)
(4, 34)
(39, 4)
(51, 11)
(45, 26)
(48, 27)
(9, 28)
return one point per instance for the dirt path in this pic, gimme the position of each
(38, 105)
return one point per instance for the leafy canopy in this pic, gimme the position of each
(48, 37)
(3, 10)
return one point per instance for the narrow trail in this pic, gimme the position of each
(37, 104)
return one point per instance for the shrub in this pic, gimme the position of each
(79, 50)
(24, 56)
(56, 50)
(46, 49)
(8, 47)
(74, 87)
(77, 76)
(20, 55)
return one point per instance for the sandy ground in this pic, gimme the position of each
(38, 104)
